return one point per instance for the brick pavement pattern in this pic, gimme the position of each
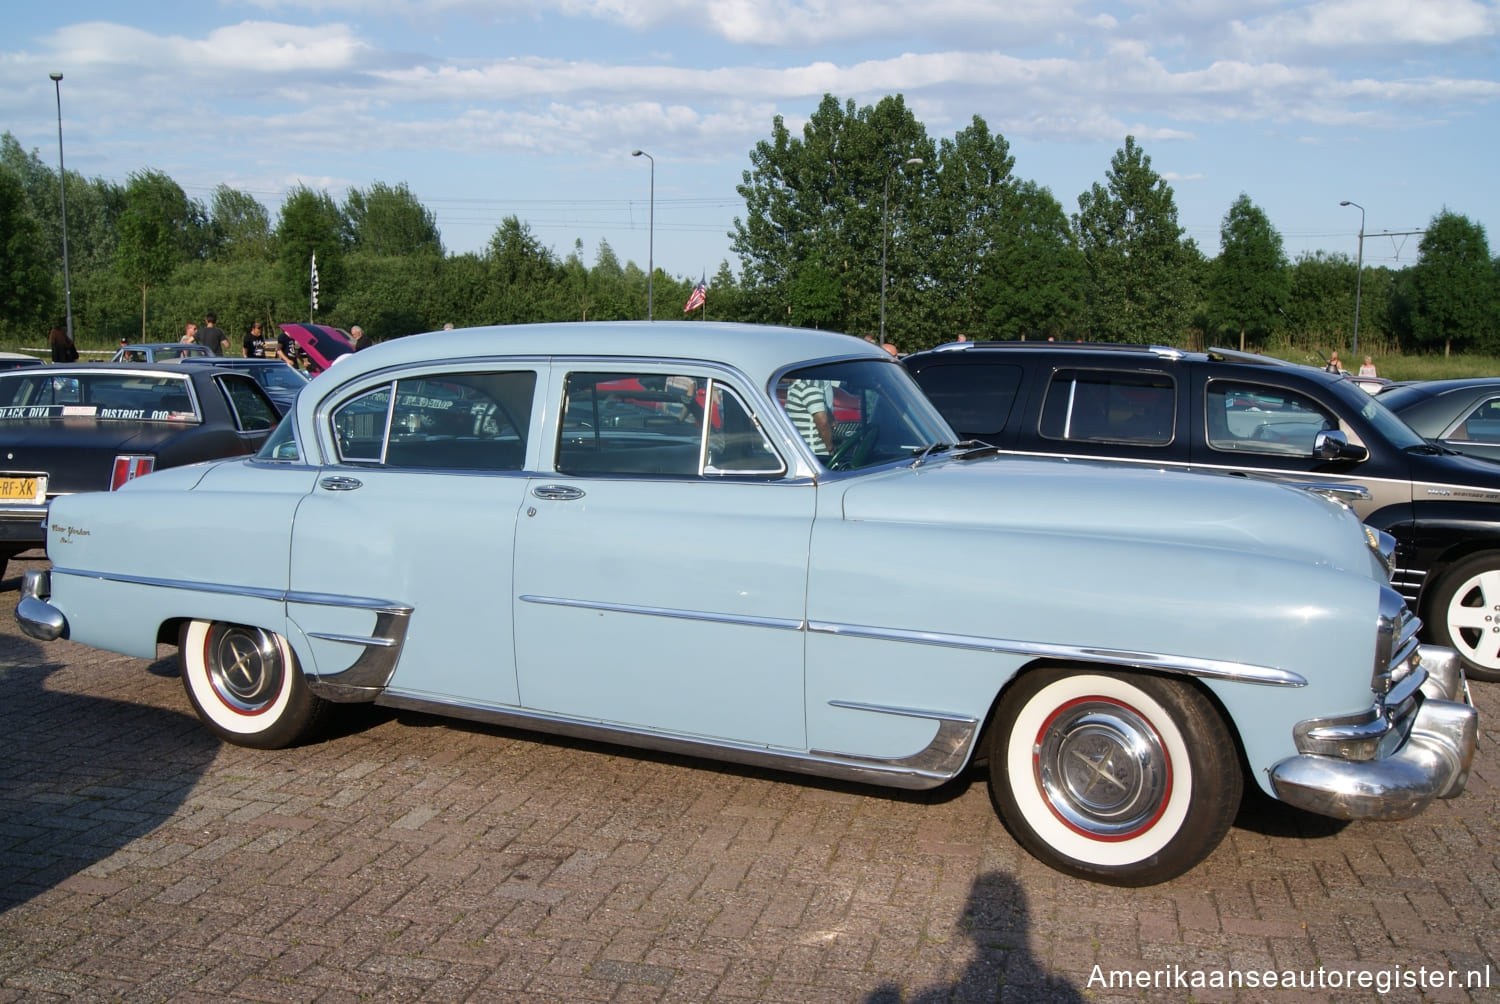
(407, 857)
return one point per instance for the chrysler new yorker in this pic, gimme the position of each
(764, 545)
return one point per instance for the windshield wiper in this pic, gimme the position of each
(926, 451)
(976, 448)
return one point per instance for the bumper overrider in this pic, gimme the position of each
(36, 617)
(1413, 745)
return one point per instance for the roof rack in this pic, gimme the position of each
(1160, 351)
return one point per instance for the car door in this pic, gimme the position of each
(1265, 428)
(405, 542)
(661, 564)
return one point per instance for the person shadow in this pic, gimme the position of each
(997, 920)
(82, 776)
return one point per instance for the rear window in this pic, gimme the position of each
(123, 397)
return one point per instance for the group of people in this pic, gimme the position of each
(254, 345)
(1366, 368)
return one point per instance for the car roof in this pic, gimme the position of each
(757, 350)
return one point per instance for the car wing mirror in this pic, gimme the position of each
(1333, 444)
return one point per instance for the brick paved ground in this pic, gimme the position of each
(409, 858)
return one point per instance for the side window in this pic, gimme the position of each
(1249, 418)
(736, 443)
(1110, 406)
(1482, 424)
(975, 397)
(447, 422)
(253, 411)
(654, 424)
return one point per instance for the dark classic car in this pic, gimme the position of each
(1253, 416)
(280, 381)
(649, 534)
(91, 427)
(1461, 415)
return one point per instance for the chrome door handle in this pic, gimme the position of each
(339, 483)
(557, 493)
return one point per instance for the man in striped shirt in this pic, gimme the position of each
(809, 404)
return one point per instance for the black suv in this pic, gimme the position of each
(1253, 416)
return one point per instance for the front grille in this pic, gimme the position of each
(1395, 641)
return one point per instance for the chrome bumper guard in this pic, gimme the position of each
(1431, 743)
(38, 618)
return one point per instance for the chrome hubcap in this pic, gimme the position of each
(244, 666)
(1103, 768)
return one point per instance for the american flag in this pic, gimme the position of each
(700, 293)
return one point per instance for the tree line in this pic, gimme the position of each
(862, 223)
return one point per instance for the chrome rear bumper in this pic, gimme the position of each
(38, 618)
(1432, 759)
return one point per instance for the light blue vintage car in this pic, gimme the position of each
(760, 545)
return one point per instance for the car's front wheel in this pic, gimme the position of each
(1121, 778)
(246, 685)
(1465, 614)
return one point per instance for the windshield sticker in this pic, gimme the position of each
(94, 411)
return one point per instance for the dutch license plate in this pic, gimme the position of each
(20, 489)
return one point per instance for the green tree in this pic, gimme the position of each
(521, 270)
(159, 230)
(240, 225)
(820, 201)
(1032, 278)
(386, 220)
(1139, 269)
(970, 200)
(1453, 286)
(1248, 283)
(28, 290)
(310, 224)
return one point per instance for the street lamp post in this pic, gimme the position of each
(885, 212)
(650, 234)
(62, 194)
(1359, 273)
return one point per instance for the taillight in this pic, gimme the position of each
(128, 468)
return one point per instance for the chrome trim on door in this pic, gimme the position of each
(340, 483)
(781, 623)
(557, 493)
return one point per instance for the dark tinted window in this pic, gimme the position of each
(1110, 406)
(976, 397)
(252, 410)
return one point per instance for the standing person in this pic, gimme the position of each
(286, 351)
(63, 349)
(1367, 368)
(190, 336)
(1334, 366)
(254, 345)
(358, 335)
(211, 336)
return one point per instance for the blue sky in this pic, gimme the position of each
(533, 108)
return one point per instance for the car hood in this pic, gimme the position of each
(1472, 479)
(1115, 501)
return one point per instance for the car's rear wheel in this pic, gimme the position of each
(1465, 614)
(1127, 779)
(246, 685)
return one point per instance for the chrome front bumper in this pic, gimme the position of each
(38, 618)
(1433, 750)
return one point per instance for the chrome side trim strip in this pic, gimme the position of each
(779, 623)
(1217, 669)
(913, 772)
(945, 756)
(368, 674)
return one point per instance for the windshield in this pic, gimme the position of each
(1388, 425)
(281, 377)
(860, 413)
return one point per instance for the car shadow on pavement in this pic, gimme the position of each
(82, 776)
(1260, 813)
(997, 920)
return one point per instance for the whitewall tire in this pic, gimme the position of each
(246, 685)
(1122, 778)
